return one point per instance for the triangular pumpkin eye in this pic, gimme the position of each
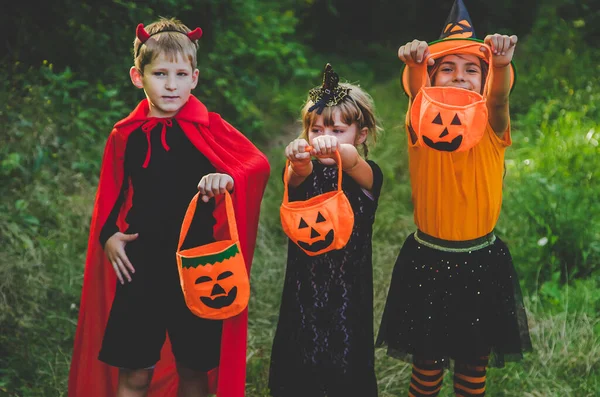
(320, 218)
(303, 224)
(438, 119)
(456, 120)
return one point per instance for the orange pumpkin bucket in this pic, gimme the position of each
(213, 277)
(320, 224)
(450, 119)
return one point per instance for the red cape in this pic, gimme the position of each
(231, 153)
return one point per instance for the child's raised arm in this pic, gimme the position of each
(412, 54)
(503, 48)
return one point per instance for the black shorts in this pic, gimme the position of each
(150, 306)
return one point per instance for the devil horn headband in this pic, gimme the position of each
(143, 36)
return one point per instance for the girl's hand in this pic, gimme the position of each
(300, 164)
(213, 184)
(503, 48)
(414, 52)
(115, 251)
(324, 146)
(296, 151)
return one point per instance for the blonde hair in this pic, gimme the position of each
(357, 107)
(171, 43)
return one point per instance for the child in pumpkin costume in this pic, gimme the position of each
(155, 160)
(454, 292)
(324, 343)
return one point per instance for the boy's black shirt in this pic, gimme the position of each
(163, 190)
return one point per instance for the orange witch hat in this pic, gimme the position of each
(457, 31)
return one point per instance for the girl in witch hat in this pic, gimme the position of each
(454, 292)
(324, 343)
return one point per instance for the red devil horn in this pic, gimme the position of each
(141, 33)
(195, 34)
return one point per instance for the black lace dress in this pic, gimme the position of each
(324, 343)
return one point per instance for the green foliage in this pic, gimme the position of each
(49, 161)
(555, 63)
(56, 115)
(580, 296)
(241, 77)
(553, 185)
(551, 198)
(248, 47)
(346, 28)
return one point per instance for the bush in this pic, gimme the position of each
(552, 181)
(49, 162)
(248, 47)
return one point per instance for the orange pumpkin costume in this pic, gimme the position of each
(229, 152)
(447, 188)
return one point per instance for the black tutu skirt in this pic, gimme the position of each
(454, 305)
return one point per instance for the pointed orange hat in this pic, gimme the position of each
(458, 31)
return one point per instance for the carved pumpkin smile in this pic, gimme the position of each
(220, 301)
(328, 214)
(445, 146)
(448, 118)
(213, 277)
(218, 298)
(318, 245)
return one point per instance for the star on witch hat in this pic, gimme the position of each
(458, 31)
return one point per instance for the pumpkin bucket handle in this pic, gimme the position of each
(189, 216)
(286, 177)
(427, 81)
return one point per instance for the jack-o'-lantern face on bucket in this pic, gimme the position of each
(450, 136)
(213, 281)
(318, 235)
(213, 277)
(451, 115)
(320, 224)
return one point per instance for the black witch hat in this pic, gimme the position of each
(458, 24)
(330, 93)
(457, 31)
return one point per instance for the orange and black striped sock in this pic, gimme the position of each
(426, 380)
(469, 378)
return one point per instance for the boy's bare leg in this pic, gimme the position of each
(192, 383)
(134, 382)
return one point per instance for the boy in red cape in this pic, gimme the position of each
(154, 162)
